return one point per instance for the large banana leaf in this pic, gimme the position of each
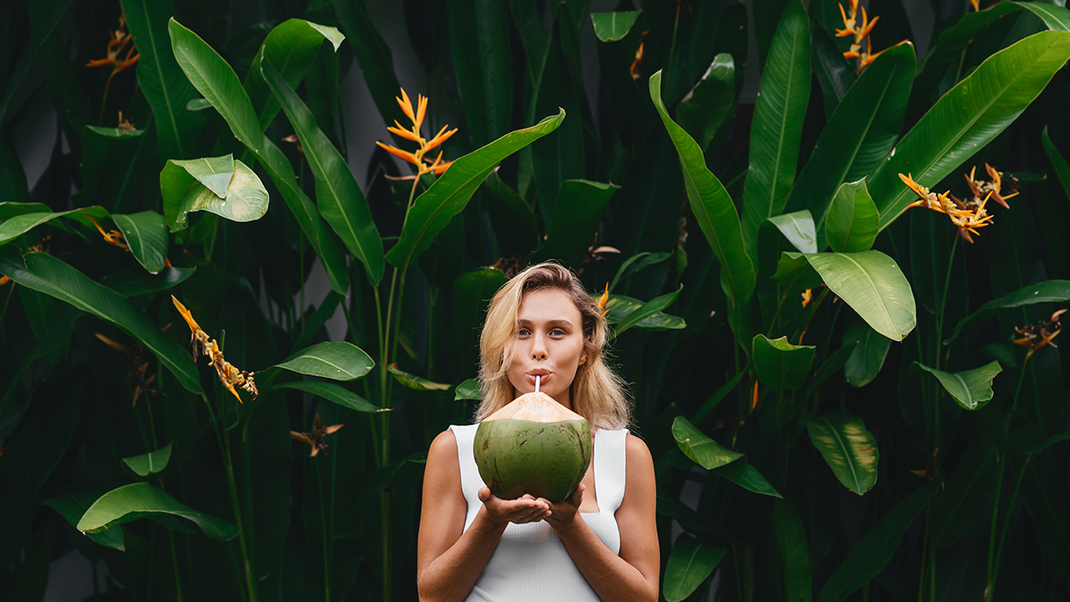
(869, 349)
(870, 282)
(712, 206)
(449, 194)
(482, 62)
(711, 102)
(859, 135)
(849, 449)
(967, 118)
(872, 553)
(690, 563)
(219, 185)
(1062, 169)
(146, 235)
(746, 476)
(46, 274)
(151, 463)
(289, 49)
(373, 55)
(971, 389)
(794, 552)
(612, 27)
(780, 364)
(851, 225)
(574, 224)
(214, 79)
(141, 500)
(336, 361)
(332, 392)
(776, 131)
(339, 196)
(161, 80)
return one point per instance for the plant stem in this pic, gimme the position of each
(7, 300)
(324, 534)
(174, 564)
(924, 552)
(1007, 520)
(991, 581)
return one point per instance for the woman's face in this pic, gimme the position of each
(549, 343)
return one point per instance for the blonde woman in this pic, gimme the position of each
(602, 542)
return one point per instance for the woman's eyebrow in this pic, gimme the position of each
(556, 322)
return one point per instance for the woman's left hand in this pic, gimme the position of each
(564, 514)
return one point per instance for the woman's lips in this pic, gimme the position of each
(544, 376)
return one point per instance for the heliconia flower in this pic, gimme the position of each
(603, 300)
(806, 296)
(1037, 336)
(113, 237)
(227, 373)
(315, 439)
(967, 215)
(976, 4)
(413, 134)
(120, 39)
(851, 27)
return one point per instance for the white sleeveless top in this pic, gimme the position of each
(530, 562)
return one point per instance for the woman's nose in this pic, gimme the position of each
(538, 348)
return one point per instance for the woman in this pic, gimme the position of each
(602, 542)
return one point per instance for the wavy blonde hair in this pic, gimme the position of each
(597, 393)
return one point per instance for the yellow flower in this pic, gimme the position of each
(603, 300)
(113, 237)
(968, 217)
(851, 27)
(413, 134)
(228, 374)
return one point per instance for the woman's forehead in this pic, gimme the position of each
(547, 304)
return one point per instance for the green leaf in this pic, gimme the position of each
(972, 389)
(20, 223)
(848, 448)
(46, 274)
(746, 476)
(712, 206)
(340, 199)
(704, 451)
(372, 53)
(1062, 169)
(1056, 291)
(332, 392)
(798, 228)
(794, 552)
(416, 383)
(245, 200)
(479, 40)
(146, 235)
(634, 264)
(611, 27)
(217, 82)
(690, 563)
(867, 357)
(574, 224)
(968, 117)
(336, 361)
(71, 506)
(141, 500)
(133, 282)
(794, 272)
(513, 219)
(1044, 497)
(469, 389)
(449, 194)
(835, 75)
(711, 403)
(214, 173)
(646, 311)
(710, 103)
(43, 29)
(851, 225)
(776, 131)
(150, 463)
(289, 49)
(780, 364)
(472, 293)
(161, 80)
(872, 284)
(858, 136)
(620, 307)
(1045, 444)
(872, 553)
(115, 132)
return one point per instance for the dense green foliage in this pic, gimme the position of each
(845, 394)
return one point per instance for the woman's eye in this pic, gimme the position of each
(523, 332)
(557, 332)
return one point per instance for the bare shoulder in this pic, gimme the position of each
(443, 451)
(638, 452)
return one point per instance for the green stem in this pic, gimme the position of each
(174, 564)
(924, 552)
(7, 300)
(992, 533)
(1007, 519)
(324, 534)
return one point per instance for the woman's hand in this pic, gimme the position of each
(564, 514)
(525, 509)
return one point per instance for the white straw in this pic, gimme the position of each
(537, 379)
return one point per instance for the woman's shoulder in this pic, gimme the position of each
(443, 446)
(637, 451)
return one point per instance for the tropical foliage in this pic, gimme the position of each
(846, 395)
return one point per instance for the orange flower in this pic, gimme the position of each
(603, 300)
(227, 373)
(851, 27)
(120, 40)
(114, 238)
(806, 296)
(1036, 336)
(413, 134)
(968, 217)
(315, 439)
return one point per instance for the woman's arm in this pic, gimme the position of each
(450, 559)
(633, 575)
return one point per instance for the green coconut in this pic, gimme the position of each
(533, 445)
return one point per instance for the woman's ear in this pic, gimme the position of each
(583, 358)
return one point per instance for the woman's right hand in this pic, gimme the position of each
(525, 509)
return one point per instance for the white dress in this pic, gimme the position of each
(530, 562)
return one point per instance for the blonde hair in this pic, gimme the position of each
(597, 393)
